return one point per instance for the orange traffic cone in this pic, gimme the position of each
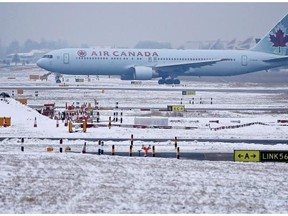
(35, 122)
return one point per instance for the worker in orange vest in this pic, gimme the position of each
(146, 149)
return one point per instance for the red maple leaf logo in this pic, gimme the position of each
(82, 53)
(279, 40)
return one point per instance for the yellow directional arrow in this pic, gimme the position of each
(247, 155)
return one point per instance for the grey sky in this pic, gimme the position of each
(124, 24)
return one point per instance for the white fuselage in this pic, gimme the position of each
(119, 61)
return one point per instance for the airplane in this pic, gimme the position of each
(230, 44)
(24, 58)
(168, 64)
(246, 44)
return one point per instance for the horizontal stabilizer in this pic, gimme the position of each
(281, 59)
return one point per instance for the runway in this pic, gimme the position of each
(149, 88)
(209, 156)
(218, 140)
(274, 109)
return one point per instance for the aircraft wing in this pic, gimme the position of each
(184, 66)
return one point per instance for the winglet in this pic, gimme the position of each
(276, 40)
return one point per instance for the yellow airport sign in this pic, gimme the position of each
(188, 92)
(274, 156)
(178, 108)
(247, 155)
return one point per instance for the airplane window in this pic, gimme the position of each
(47, 56)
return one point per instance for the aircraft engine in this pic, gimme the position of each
(139, 73)
(143, 73)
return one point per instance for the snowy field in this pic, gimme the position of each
(70, 183)
(37, 181)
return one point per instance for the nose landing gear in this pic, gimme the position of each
(57, 77)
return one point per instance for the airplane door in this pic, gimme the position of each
(244, 60)
(66, 58)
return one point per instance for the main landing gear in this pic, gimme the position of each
(169, 81)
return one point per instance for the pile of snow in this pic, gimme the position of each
(23, 120)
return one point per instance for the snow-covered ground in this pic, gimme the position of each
(70, 183)
(37, 181)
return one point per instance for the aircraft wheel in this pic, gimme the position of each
(161, 81)
(176, 81)
(58, 81)
(169, 81)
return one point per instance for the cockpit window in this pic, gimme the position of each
(47, 56)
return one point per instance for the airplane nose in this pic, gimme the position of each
(43, 63)
(40, 63)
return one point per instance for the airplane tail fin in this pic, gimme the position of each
(276, 40)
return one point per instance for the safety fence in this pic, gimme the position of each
(238, 126)
(100, 148)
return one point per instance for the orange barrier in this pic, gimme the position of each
(5, 123)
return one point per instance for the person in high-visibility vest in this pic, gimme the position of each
(146, 149)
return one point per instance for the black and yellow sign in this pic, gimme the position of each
(188, 92)
(274, 156)
(247, 155)
(176, 108)
(260, 156)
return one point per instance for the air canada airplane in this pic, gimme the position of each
(168, 64)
